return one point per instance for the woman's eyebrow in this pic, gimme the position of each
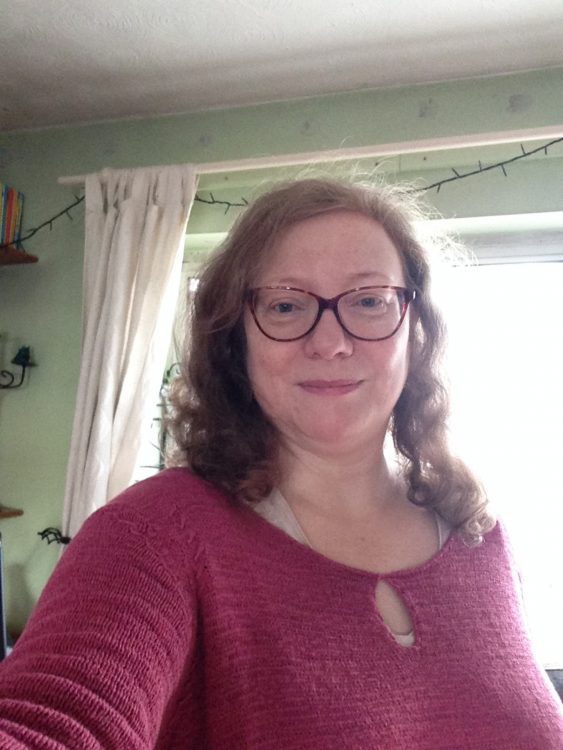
(366, 275)
(346, 279)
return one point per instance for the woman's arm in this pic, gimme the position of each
(107, 644)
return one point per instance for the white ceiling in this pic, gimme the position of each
(73, 61)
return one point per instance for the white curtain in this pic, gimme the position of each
(134, 238)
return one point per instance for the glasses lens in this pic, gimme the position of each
(284, 313)
(372, 313)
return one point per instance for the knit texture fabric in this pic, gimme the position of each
(177, 620)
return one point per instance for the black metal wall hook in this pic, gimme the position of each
(52, 534)
(23, 359)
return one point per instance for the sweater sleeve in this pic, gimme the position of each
(109, 642)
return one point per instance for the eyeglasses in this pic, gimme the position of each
(370, 313)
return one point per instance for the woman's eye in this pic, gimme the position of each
(286, 306)
(367, 304)
(371, 302)
(283, 307)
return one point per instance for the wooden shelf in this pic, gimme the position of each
(9, 512)
(11, 255)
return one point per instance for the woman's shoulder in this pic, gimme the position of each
(169, 496)
(171, 511)
(176, 490)
(497, 540)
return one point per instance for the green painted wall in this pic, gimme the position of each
(41, 304)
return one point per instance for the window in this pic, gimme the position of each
(505, 363)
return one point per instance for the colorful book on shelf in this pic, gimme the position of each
(3, 211)
(11, 214)
(12, 210)
(8, 227)
(18, 218)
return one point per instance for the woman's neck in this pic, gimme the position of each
(349, 488)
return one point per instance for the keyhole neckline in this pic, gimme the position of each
(360, 573)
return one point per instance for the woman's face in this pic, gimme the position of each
(328, 392)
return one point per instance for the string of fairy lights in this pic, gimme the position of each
(211, 200)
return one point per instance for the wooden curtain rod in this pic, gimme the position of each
(364, 152)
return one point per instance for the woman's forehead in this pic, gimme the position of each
(343, 243)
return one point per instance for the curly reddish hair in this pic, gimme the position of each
(218, 428)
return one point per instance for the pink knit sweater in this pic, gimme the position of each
(176, 620)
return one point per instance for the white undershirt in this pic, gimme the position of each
(276, 510)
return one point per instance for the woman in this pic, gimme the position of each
(294, 587)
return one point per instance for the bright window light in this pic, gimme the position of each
(505, 363)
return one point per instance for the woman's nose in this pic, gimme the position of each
(328, 339)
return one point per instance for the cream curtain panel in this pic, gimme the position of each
(134, 236)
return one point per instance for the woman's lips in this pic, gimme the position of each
(330, 387)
